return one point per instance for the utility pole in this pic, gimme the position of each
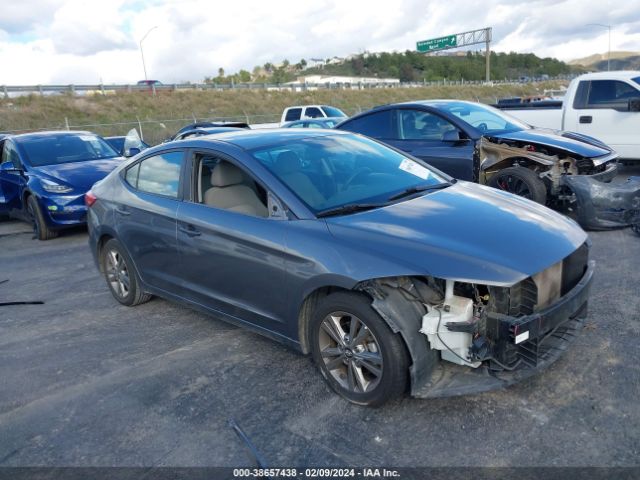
(144, 67)
(608, 27)
(488, 54)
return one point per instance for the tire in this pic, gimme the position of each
(348, 359)
(522, 182)
(121, 276)
(40, 229)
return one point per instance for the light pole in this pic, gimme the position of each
(608, 27)
(144, 67)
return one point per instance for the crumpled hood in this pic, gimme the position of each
(465, 232)
(79, 175)
(568, 141)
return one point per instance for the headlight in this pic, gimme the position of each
(54, 187)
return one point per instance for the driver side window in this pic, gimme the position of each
(421, 125)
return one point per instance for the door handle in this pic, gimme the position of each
(190, 230)
(586, 119)
(123, 211)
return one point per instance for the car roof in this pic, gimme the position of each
(616, 75)
(250, 139)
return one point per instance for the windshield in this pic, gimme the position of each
(333, 111)
(483, 117)
(65, 148)
(327, 172)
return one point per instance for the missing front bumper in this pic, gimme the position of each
(605, 205)
(551, 331)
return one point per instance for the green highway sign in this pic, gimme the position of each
(437, 43)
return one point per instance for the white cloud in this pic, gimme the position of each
(73, 41)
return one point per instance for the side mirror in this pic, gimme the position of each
(634, 104)
(131, 152)
(9, 167)
(451, 136)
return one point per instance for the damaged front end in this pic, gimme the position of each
(605, 205)
(469, 338)
(574, 184)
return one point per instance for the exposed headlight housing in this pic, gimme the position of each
(54, 187)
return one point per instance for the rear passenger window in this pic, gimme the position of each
(293, 114)
(159, 174)
(376, 125)
(313, 112)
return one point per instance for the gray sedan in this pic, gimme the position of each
(391, 274)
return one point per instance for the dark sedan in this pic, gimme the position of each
(199, 125)
(392, 275)
(478, 143)
(44, 176)
(200, 131)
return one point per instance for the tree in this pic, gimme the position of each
(406, 73)
(303, 63)
(244, 76)
(221, 72)
(357, 64)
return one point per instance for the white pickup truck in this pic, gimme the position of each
(604, 105)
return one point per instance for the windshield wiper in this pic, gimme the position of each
(419, 188)
(348, 208)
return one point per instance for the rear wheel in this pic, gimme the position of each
(522, 182)
(121, 276)
(40, 229)
(356, 351)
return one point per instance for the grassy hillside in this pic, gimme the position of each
(161, 116)
(619, 61)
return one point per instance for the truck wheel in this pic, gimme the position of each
(40, 229)
(520, 181)
(356, 351)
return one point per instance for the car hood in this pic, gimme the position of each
(79, 175)
(568, 141)
(466, 232)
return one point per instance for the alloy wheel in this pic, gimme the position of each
(117, 273)
(350, 352)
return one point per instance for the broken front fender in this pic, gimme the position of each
(605, 205)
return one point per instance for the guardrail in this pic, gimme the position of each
(7, 90)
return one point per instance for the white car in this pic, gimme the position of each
(300, 112)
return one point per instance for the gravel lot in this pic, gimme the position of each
(87, 382)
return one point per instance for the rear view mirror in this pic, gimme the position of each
(451, 136)
(634, 104)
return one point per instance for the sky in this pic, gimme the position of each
(90, 42)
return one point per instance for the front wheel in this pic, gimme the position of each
(356, 351)
(121, 276)
(40, 229)
(520, 181)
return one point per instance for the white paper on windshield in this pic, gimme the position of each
(414, 169)
(87, 138)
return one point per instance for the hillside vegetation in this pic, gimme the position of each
(408, 67)
(619, 61)
(163, 115)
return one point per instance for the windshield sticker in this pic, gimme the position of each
(87, 138)
(414, 169)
